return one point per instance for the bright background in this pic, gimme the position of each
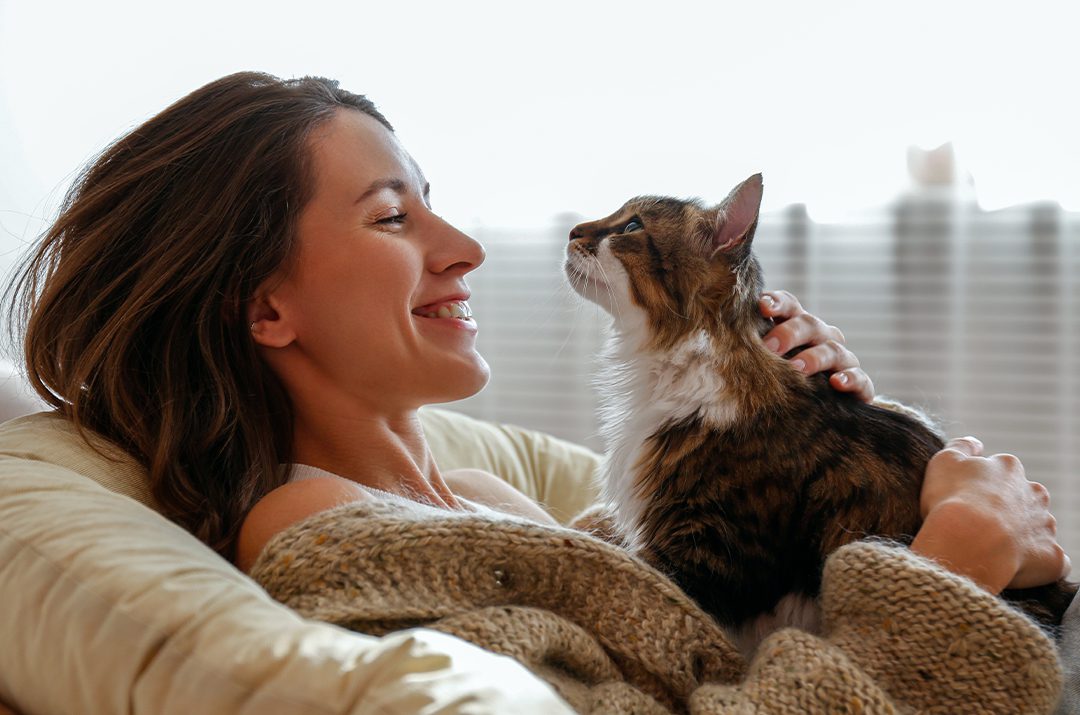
(528, 116)
(520, 111)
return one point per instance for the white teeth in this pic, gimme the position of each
(459, 309)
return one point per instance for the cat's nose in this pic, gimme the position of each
(576, 232)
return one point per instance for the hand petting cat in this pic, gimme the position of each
(825, 351)
(984, 519)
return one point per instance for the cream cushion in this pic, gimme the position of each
(110, 608)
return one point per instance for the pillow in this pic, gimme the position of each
(16, 397)
(109, 607)
(558, 474)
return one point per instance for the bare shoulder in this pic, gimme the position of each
(485, 488)
(287, 505)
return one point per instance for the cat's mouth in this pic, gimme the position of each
(581, 278)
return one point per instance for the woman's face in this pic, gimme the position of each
(371, 310)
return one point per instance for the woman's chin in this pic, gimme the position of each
(465, 380)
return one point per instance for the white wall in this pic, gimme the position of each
(520, 111)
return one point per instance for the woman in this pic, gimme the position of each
(256, 277)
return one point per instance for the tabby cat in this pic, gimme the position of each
(727, 468)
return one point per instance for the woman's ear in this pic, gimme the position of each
(267, 321)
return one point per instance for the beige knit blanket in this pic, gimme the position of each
(614, 636)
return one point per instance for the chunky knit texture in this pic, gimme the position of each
(612, 635)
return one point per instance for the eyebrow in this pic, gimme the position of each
(396, 185)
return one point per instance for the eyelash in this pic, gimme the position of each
(395, 219)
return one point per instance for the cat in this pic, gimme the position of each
(727, 469)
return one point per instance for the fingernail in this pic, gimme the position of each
(773, 344)
(769, 301)
(798, 365)
(842, 378)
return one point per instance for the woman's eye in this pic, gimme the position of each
(634, 225)
(395, 219)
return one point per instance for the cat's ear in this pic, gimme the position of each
(737, 217)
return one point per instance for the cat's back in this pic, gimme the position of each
(755, 506)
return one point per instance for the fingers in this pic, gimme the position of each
(829, 356)
(1042, 494)
(964, 447)
(825, 352)
(801, 329)
(780, 304)
(1047, 566)
(853, 380)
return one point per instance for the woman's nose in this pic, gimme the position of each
(460, 251)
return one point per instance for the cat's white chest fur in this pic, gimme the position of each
(645, 392)
(792, 611)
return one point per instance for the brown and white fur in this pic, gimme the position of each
(727, 468)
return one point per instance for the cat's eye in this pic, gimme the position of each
(634, 225)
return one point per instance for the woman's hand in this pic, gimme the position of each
(825, 351)
(983, 519)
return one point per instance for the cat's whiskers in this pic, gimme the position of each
(569, 290)
(611, 291)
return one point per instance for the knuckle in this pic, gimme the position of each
(949, 455)
(857, 376)
(1009, 461)
(813, 359)
(844, 358)
(1056, 557)
(805, 322)
(787, 297)
(961, 441)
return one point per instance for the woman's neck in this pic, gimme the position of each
(381, 452)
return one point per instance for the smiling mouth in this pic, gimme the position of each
(457, 309)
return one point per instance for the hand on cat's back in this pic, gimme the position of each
(824, 349)
(985, 520)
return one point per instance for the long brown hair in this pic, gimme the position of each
(133, 302)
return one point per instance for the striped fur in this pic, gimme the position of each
(728, 469)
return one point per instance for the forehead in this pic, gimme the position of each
(352, 150)
(663, 206)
